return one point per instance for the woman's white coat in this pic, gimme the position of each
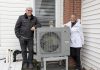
(77, 38)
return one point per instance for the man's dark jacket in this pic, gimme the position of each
(23, 26)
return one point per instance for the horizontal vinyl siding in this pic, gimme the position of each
(9, 12)
(90, 53)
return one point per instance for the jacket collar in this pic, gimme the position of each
(25, 15)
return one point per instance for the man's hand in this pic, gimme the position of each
(33, 29)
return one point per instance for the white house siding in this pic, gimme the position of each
(90, 53)
(9, 12)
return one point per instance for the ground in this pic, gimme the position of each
(50, 66)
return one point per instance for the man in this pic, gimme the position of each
(24, 30)
(77, 39)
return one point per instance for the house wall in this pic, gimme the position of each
(9, 12)
(70, 7)
(90, 53)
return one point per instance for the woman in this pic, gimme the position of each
(77, 39)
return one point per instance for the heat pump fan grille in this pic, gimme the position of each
(50, 42)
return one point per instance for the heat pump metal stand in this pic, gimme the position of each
(44, 60)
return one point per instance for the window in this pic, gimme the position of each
(45, 11)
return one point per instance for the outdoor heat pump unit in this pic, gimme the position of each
(52, 41)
